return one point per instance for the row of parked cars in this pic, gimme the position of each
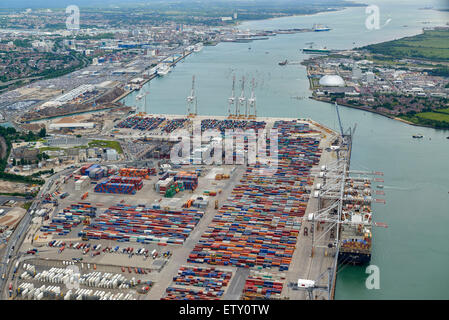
(136, 270)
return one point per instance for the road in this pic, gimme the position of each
(235, 289)
(16, 239)
(6, 198)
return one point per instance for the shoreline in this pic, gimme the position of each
(392, 117)
(346, 4)
(116, 103)
(239, 23)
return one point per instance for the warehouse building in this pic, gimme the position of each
(75, 125)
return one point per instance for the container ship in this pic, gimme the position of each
(357, 223)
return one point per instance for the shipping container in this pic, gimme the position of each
(142, 224)
(258, 225)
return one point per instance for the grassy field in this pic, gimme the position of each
(445, 111)
(434, 116)
(49, 149)
(433, 119)
(430, 45)
(106, 144)
(27, 205)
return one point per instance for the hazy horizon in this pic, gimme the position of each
(42, 4)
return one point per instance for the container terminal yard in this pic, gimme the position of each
(161, 230)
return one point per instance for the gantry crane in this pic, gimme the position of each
(242, 103)
(146, 93)
(231, 100)
(192, 103)
(251, 106)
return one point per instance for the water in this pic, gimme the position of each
(412, 253)
(6, 125)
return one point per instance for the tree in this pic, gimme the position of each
(42, 132)
(14, 162)
(30, 136)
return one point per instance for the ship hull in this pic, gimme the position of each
(354, 258)
(315, 51)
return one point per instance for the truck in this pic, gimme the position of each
(32, 251)
(154, 254)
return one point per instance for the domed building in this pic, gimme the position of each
(332, 81)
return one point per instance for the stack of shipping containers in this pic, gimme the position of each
(212, 283)
(141, 224)
(118, 184)
(63, 222)
(81, 183)
(258, 225)
(134, 172)
(190, 180)
(262, 285)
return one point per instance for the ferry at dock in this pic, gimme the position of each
(198, 47)
(163, 70)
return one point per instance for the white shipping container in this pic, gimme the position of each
(81, 184)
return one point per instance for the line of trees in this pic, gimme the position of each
(440, 70)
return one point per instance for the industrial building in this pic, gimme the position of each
(75, 125)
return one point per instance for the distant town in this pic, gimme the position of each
(412, 89)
